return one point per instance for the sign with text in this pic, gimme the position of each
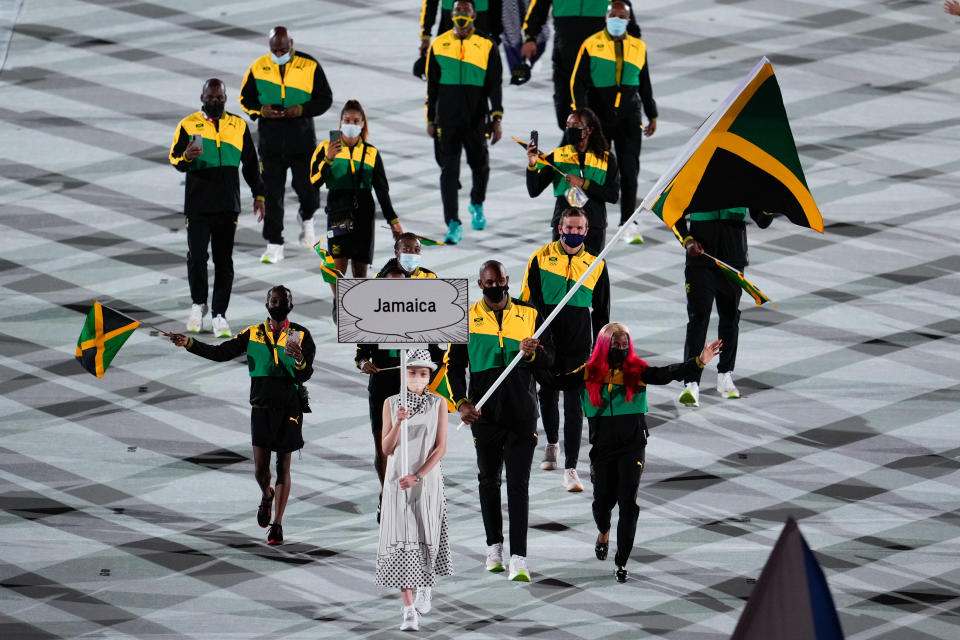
(403, 310)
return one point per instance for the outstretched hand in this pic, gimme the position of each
(178, 339)
(710, 351)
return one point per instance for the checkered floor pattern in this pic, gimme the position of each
(127, 504)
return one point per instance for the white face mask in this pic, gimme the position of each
(351, 130)
(284, 59)
(416, 386)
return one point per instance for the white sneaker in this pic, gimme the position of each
(411, 619)
(220, 327)
(550, 457)
(571, 481)
(495, 558)
(307, 235)
(422, 603)
(518, 569)
(725, 386)
(632, 235)
(273, 254)
(690, 395)
(195, 321)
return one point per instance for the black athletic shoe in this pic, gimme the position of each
(621, 574)
(265, 510)
(601, 549)
(276, 534)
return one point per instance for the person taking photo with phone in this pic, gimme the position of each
(352, 170)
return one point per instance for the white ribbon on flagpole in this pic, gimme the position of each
(560, 305)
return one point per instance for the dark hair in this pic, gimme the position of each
(572, 212)
(597, 143)
(354, 105)
(280, 287)
(390, 268)
(406, 235)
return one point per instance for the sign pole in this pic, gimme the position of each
(404, 455)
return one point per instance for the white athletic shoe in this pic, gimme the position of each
(220, 327)
(307, 235)
(495, 558)
(725, 386)
(690, 395)
(422, 603)
(518, 569)
(632, 235)
(571, 481)
(195, 321)
(273, 254)
(550, 457)
(411, 619)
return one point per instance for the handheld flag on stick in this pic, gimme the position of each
(743, 154)
(440, 385)
(102, 335)
(542, 158)
(791, 599)
(328, 270)
(736, 276)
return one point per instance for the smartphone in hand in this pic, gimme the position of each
(196, 142)
(535, 139)
(335, 135)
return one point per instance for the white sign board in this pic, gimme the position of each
(403, 310)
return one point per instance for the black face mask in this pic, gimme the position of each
(574, 135)
(616, 357)
(495, 294)
(213, 108)
(279, 313)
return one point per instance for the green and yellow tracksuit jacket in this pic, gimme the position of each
(495, 338)
(464, 83)
(274, 376)
(617, 422)
(722, 233)
(612, 77)
(301, 82)
(602, 181)
(551, 273)
(352, 174)
(213, 180)
(574, 22)
(489, 20)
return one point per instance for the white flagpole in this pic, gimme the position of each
(404, 455)
(560, 305)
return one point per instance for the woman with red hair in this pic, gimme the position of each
(614, 402)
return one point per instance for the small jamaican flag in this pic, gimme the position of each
(103, 334)
(328, 270)
(441, 386)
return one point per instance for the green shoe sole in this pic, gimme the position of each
(497, 568)
(523, 576)
(687, 398)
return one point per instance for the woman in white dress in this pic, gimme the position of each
(414, 546)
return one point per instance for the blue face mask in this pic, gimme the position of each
(409, 262)
(573, 240)
(351, 130)
(616, 26)
(284, 59)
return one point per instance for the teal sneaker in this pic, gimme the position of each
(476, 217)
(454, 232)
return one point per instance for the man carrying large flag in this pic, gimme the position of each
(741, 162)
(723, 235)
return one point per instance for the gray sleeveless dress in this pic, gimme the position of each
(414, 545)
